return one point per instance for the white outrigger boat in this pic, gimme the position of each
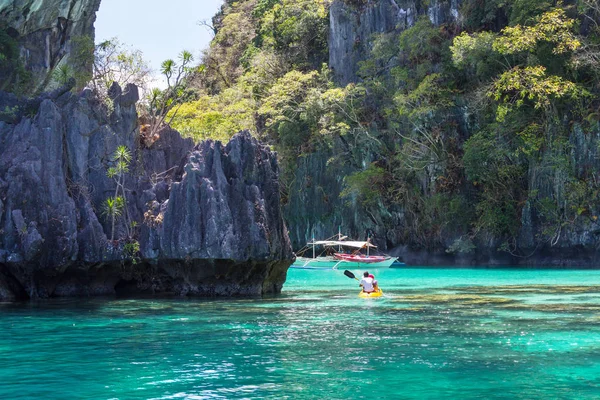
(341, 260)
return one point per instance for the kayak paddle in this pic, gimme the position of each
(350, 275)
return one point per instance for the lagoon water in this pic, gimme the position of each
(438, 333)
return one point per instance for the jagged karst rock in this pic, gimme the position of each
(208, 217)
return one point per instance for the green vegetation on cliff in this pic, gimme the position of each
(454, 135)
(13, 76)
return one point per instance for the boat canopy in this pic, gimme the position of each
(355, 244)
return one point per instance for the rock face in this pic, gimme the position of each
(316, 207)
(351, 28)
(207, 218)
(44, 30)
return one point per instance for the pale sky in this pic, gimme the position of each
(160, 29)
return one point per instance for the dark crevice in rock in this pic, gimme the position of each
(10, 288)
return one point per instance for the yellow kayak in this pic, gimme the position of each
(365, 295)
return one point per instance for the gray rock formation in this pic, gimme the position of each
(317, 208)
(351, 29)
(351, 32)
(44, 30)
(207, 218)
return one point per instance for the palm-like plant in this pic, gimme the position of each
(62, 74)
(161, 102)
(115, 206)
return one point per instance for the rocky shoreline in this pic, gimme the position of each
(557, 259)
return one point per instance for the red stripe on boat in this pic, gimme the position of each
(360, 258)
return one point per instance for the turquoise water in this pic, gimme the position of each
(438, 333)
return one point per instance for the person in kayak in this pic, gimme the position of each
(367, 283)
(375, 286)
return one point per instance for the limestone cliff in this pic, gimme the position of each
(351, 28)
(207, 218)
(317, 208)
(44, 30)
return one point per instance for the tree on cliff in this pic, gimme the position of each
(530, 94)
(116, 205)
(13, 76)
(161, 102)
(99, 65)
(445, 135)
(114, 62)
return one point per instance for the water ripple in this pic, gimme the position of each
(475, 339)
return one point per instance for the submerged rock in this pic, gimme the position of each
(206, 218)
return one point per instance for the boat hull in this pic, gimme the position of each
(365, 295)
(333, 263)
